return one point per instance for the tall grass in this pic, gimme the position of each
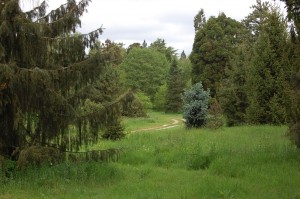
(239, 162)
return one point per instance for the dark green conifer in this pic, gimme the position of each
(44, 73)
(267, 78)
(175, 88)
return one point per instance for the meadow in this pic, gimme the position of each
(239, 162)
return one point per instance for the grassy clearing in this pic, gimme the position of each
(240, 162)
(153, 120)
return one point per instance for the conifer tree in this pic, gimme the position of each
(195, 106)
(183, 55)
(175, 88)
(213, 47)
(267, 80)
(199, 20)
(233, 93)
(293, 10)
(43, 73)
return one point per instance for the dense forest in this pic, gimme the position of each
(65, 89)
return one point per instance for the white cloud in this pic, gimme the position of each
(129, 21)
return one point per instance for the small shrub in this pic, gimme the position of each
(114, 131)
(133, 107)
(145, 100)
(39, 155)
(215, 118)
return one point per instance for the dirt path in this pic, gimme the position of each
(174, 123)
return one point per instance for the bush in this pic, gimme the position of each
(195, 106)
(133, 107)
(145, 100)
(114, 131)
(215, 118)
(38, 156)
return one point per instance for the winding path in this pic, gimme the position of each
(174, 123)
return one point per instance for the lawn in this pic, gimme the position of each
(240, 162)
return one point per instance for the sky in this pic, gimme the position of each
(130, 21)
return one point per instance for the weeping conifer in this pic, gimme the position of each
(43, 71)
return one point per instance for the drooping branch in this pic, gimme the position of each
(37, 12)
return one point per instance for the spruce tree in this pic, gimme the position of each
(195, 106)
(43, 75)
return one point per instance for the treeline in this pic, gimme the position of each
(251, 67)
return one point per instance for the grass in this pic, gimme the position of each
(240, 162)
(154, 119)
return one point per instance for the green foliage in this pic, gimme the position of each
(233, 93)
(195, 106)
(133, 107)
(215, 115)
(145, 100)
(132, 46)
(161, 46)
(213, 47)
(145, 70)
(37, 156)
(114, 131)
(267, 85)
(199, 20)
(43, 96)
(293, 109)
(175, 88)
(159, 103)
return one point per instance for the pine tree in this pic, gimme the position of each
(43, 73)
(175, 88)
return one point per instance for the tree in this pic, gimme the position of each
(234, 92)
(175, 88)
(43, 73)
(132, 46)
(199, 20)
(195, 106)
(267, 79)
(161, 46)
(145, 70)
(293, 10)
(257, 17)
(183, 55)
(145, 44)
(159, 103)
(213, 47)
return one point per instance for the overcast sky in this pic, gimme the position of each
(130, 21)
